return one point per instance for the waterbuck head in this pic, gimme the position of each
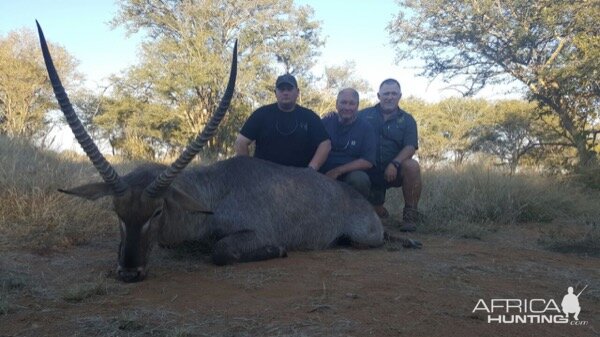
(141, 196)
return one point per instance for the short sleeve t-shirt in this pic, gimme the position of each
(391, 136)
(348, 142)
(287, 138)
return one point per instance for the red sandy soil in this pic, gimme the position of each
(388, 291)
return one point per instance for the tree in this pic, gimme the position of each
(184, 62)
(25, 92)
(551, 46)
(512, 135)
(445, 127)
(322, 98)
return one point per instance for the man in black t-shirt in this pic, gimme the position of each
(285, 132)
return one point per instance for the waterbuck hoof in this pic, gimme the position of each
(282, 252)
(409, 243)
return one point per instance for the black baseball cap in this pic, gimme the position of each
(286, 79)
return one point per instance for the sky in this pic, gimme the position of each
(79, 26)
(355, 30)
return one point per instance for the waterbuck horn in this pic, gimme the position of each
(162, 182)
(107, 172)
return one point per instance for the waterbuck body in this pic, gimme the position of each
(268, 205)
(244, 209)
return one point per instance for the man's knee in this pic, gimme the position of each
(410, 166)
(360, 181)
(410, 173)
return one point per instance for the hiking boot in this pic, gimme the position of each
(407, 226)
(381, 211)
(410, 217)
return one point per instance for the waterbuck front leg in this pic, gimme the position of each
(244, 246)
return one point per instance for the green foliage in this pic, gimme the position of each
(448, 123)
(455, 129)
(322, 99)
(511, 135)
(165, 100)
(25, 93)
(550, 46)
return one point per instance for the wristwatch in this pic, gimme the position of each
(396, 164)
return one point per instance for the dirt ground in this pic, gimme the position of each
(388, 291)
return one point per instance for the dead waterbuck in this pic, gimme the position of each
(245, 209)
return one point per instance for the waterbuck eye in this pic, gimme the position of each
(157, 212)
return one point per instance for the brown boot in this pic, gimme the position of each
(410, 217)
(381, 211)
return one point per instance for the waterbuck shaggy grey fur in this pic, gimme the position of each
(245, 209)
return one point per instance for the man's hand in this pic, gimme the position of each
(390, 173)
(333, 174)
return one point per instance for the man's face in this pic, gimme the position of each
(347, 106)
(389, 96)
(286, 95)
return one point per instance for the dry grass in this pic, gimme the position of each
(79, 292)
(160, 322)
(472, 201)
(33, 214)
(469, 201)
(11, 285)
(584, 240)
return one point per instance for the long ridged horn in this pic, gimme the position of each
(162, 182)
(107, 172)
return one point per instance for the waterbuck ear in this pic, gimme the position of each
(90, 191)
(185, 201)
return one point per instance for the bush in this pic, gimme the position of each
(588, 177)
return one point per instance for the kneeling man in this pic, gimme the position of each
(352, 144)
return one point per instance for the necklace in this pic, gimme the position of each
(341, 132)
(286, 133)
